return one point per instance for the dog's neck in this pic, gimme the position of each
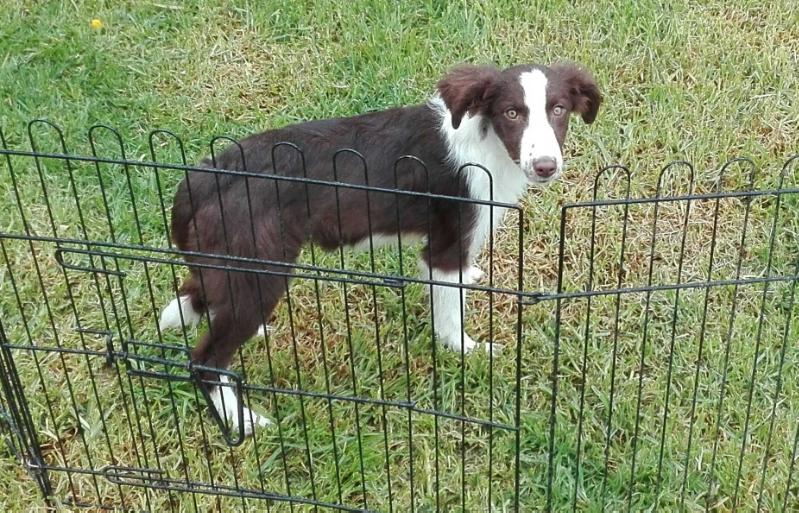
(476, 142)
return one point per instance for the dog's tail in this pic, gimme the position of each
(182, 215)
(188, 308)
(185, 310)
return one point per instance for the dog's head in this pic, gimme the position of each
(527, 106)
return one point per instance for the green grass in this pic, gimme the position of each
(701, 82)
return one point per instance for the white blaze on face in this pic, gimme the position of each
(538, 139)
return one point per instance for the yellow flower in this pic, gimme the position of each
(96, 24)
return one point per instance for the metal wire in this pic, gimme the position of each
(652, 367)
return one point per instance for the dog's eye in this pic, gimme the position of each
(558, 110)
(511, 113)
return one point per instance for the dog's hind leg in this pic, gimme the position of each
(244, 303)
(226, 403)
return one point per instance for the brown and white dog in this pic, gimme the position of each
(512, 122)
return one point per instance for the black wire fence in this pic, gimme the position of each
(649, 350)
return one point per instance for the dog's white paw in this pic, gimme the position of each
(263, 329)
(252, 419)
(227, 406)
(473, 275)
(467, 345)
(177, 309)
(491, 348)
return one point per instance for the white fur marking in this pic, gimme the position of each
(473, 275)
(171, 314)
(538, 139)
(469, 144)
(226, 404)
(448, 310)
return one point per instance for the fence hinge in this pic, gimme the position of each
(18, 420)
(197, 374)
(11, 427)
(395, 282)
(533, 298)
(133, 476)
(59, 257)
(111, 356)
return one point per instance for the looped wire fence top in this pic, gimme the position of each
(652, 365)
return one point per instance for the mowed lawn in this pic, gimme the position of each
(644, 420)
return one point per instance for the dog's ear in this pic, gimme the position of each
(584, 92)
(468, 88)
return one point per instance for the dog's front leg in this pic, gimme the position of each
(473, 274)
(449, 301)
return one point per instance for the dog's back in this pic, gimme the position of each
(361, 150)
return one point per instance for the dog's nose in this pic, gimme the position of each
(545, 166)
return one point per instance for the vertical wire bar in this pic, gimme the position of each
(107, 326)
(349, 330)
(260, 302)
(674, 314)
(644, 340)
(701, 343)
(433, 343)
(139, 232)
(233, 303)
(206, 439)
(490, 337)
(785, 341)
(377, 338)
(33, 445)
(34, 354)
(84, 232)
(51, 318)
(127, 400)
(462, 334)
(728, 338)
(76, 315)
(467, 194)
(293, 332)
(130, 388)
(586, 338)
(434, 352)
(156, 172)
(121, 334)
(462, 355)
(777, 390)
(519, 343)
(791, 468)
(228, 281)
(11, 403)
(406, 354)
(278, 417)
(175, 416)
(756, 359)
(319, 313)
(120, 331)
(555, 361)
(244, 384)
(615, 339)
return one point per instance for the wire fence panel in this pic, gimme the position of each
(648, 361)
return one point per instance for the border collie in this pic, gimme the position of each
(510, 122)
